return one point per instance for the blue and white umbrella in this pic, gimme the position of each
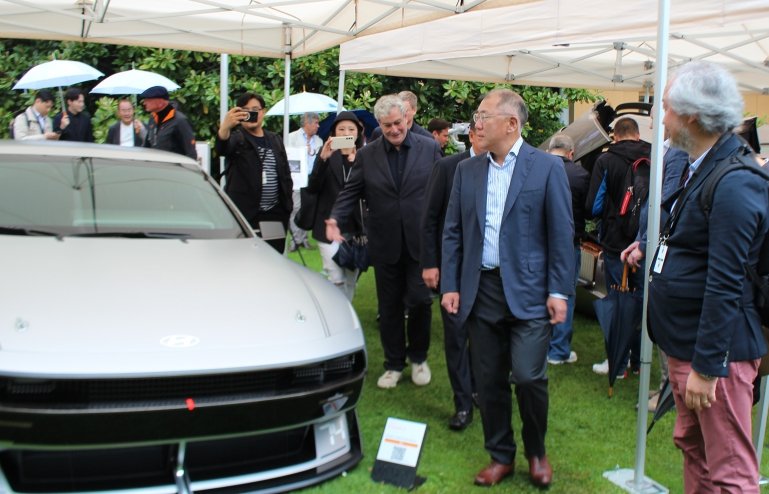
(57, 73)
(304, 102)
(133, 82)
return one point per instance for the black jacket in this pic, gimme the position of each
(327, 180)
(438, 193)
(113, 136)
(79, 128)
(243, 170)
(170, 130)
(579, 182)
(611, 168)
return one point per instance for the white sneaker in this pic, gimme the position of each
(572, 358)
(420, 374)
(389, 379)
(602, 368)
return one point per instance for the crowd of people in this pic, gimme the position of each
(495, 232)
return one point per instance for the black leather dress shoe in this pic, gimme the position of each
(460, 420)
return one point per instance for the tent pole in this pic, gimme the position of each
(224, 90)
(340, 95)
(286, 81)
(635, 481)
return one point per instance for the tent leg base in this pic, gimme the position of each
(624, 478)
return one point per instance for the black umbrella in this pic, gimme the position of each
(665, 403)
(619, 315)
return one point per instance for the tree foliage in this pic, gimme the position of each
(198, 75)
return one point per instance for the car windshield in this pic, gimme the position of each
(42, 195)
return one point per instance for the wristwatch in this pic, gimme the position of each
(707, 377)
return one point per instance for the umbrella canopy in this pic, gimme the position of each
(57, 73)
(133, 82)
(665, 403)
(302, 103)
(366, 118)
(619, 315)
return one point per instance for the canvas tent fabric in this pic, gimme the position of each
(269, 28)
(561, 43)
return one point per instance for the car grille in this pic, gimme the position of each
(108, 394)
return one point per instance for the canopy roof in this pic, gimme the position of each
(562, 43)
(238, 27)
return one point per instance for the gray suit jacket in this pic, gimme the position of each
(536, 234)
(394, 213)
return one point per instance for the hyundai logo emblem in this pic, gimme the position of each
(179, 341)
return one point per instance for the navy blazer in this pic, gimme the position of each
(701, 306)
(394, 213)
(536, 246)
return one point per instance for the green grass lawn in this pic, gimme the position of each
(588, 432)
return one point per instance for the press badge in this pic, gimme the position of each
(661, 253)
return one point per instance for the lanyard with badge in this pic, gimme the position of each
(678, 205)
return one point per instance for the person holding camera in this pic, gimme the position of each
(256, 167)
(331, 171)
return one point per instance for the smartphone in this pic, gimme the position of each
(253, 116)
(342, 142)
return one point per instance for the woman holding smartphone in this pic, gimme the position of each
(331, 171)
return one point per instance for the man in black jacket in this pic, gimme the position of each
(257, 172)
(74, 124)
(129, 131)
(455, 334)
(168, 128)
(608, 185)
(579, 179)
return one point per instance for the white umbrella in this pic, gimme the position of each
(133, 82)
(302, 103)
(57, 73)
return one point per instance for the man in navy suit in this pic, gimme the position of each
(391, 174)
(701, 302)
(507, 270)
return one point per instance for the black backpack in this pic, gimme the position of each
(13, 121)
(636, 184)
(759, 276)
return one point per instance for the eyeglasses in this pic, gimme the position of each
(253, 109)
(482, 117)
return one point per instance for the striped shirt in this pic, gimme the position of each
(269, 173)
(498, 183)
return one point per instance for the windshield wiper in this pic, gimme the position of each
(32, 232)
(181, 236)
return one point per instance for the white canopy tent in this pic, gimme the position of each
(587, 44)
(268, 28)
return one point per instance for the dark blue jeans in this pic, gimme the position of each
(560, 342)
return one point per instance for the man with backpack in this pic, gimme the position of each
(619, 186)
(702, 304)
(34, 122)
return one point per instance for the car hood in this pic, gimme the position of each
(116, 307)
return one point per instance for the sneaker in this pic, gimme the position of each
(389, 379)
(572, 358)
(420, 374)
(653, 400)
(602, 368)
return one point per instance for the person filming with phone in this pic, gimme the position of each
(256, 168)
(332, 169)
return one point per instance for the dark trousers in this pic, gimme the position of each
(457, 361)
(504, 351)
(400, 286)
